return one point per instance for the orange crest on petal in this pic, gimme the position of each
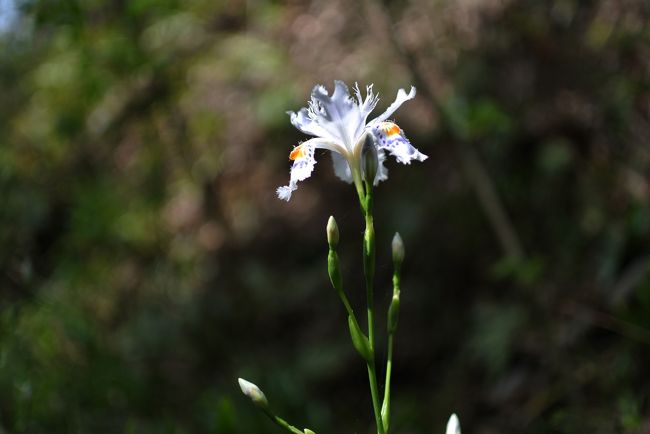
(298, 152)
(390, 128)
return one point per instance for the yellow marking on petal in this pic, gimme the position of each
(298, 152)
(390, 128)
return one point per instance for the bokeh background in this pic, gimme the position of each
(145, 262)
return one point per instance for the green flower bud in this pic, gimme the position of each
(398, 250)
(334, 270)
(254, 393)
(360, 341)
(369, 158)
(332, 233)
(308, 431)
(393, 314)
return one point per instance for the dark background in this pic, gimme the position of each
(145, 262)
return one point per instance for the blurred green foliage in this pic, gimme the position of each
(145, 263)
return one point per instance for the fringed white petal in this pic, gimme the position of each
(305, 123)
(339, 106)
(390, 137)
(341, 167)
(339, 117)
(303, 166)
(382, 171)
(401, 98)
(338, 114)
(366, 106)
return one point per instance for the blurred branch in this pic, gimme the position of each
(606, 321)
(471, 164)
(630, 278)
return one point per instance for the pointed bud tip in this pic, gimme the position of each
(398, 249)
(332, 232)
(253, 392)
(453, 426)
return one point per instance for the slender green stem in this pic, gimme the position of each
(369, 273)
(374, 392)
(392, 324)
(358, 183)
(369, 261)
(389, 368)
(283, 423)
(334, 271)
(346, 303)
(337, 284)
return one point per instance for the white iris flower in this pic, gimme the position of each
(339, 124)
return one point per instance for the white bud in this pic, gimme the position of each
(253, 392)
(453, 426)
(398, 250)
(332, 232)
